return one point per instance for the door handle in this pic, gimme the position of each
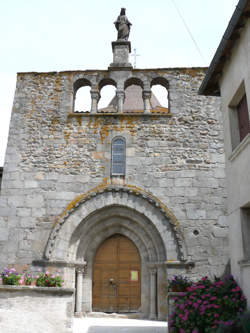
(112, 282)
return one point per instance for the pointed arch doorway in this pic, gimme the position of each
(117, 276)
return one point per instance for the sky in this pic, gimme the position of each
(59, 35)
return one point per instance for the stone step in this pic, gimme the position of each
(130, 315)
(118, 325)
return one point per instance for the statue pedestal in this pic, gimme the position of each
(121, 50)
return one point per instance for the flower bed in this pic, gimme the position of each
(178, 283)
(10, 276)
(207, 305)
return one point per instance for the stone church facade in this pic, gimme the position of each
(154, 177)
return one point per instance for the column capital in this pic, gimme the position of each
(146, 94)
(95, 94)
(153, 270)
(120, 93)
(80, 269)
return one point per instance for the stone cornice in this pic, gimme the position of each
(153, 113)
(59, 263)
(50, 290)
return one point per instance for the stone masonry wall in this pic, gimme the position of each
(54, 155)
(33, 309)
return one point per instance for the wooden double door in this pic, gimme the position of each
(117, 276)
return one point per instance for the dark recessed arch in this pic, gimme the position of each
(133, 81)
(161, 81)
(106, 82)
(81, 83)
(81, 96)
(117, 219)
(159, 87)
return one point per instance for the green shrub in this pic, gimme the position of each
(28, 279)
(49, 280)
(242, 325)
(10, 276)
(178, 283)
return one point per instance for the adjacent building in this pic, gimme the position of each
(229, 77)
(1, 174)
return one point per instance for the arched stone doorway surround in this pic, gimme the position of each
(129, 211)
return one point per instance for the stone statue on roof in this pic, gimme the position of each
(122, 25)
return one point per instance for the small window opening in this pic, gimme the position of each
(159, 97)
(133, 101)
(245, 225)
(243, 117)
(239, 116)
(118, 157)
(82, 100)
(107, 101)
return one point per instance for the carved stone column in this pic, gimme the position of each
(79, 286)
(95, 96)
(153, 272)
(146, 95)
(120, 100)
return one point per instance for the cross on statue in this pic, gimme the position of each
(135, 55)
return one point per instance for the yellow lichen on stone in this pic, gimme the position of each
(79, 120)
(89, 123)
(105, 180)
(66, 136)
(74, 202)
(164, 207)
(104, 132)
(54, 124)
(98, 155)
(131, 121)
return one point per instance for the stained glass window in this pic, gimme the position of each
(118, 156)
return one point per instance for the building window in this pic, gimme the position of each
(81, 96)
(243, 117)
(82, 101)
(245, 220)
(118, 156)
(239, 116)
